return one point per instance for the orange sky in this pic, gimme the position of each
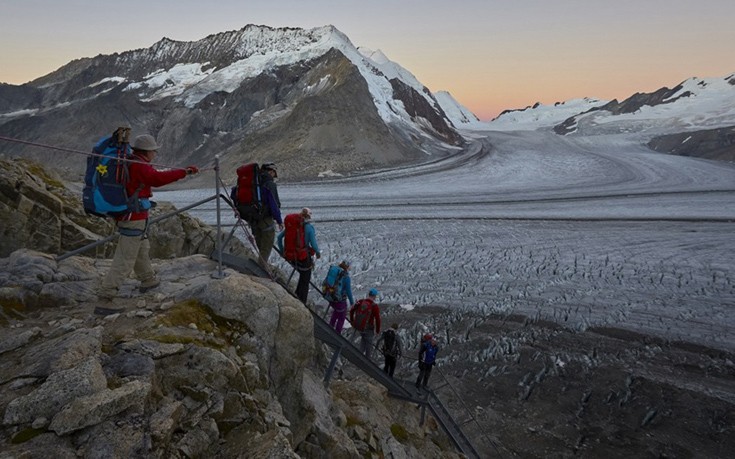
(490, 55)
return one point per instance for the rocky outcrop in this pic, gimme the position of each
(716, 144)
(202, 366)
(199, 367)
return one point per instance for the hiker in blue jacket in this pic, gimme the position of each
(300, 252)
(427, 359)
(339, 307)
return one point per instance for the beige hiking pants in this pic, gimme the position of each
(131, 254)
(264, 232)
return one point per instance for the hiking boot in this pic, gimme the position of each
(107, 295)
(108, 307)
(108, 310)
(148, 284)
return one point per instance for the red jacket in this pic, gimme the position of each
(149, 177)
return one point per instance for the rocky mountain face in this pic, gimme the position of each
(307, 99)
(718, 144)
(201, 366)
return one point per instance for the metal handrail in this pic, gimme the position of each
(150, 222)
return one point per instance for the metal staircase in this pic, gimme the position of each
(403, 390)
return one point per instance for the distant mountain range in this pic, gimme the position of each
(695, 118)
(316, 104)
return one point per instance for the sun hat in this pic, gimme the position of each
(270, 167)
(145, 142)
(373, 292)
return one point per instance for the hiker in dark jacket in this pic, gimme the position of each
(264, 228)
(365, 318)
(427, 360)
(132, 251)
(389, 344)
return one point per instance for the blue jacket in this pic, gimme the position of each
(347, 288)
(427, 354)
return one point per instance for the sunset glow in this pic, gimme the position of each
(490, 55)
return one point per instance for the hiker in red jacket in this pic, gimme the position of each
(132, 251)
(365, 318)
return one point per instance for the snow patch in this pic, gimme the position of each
(329, 173)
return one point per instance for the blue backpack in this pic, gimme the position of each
(332, 284)
(107, 173)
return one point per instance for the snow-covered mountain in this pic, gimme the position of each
(461, 116)
(307, 98)
(693, 105)
(540, 116)
(695, 118)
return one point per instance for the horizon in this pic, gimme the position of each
(488, 55)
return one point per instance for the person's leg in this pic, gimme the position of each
(266, 236)
(427, 373)
(392, 367)
(255, 229)
(143, 268)
(421, 375)
(341, 320)
(302, 288)
(371, 335)
(386, 364)
(126, 255)
(363, 342)
(333, 318)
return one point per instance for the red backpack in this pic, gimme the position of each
(363, 309)
(246, 194)
(294, 243)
